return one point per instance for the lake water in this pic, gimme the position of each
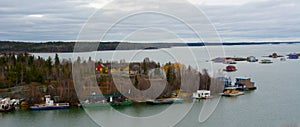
(276, 102)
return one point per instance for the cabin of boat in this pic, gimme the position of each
(245, 84)
(201, 94)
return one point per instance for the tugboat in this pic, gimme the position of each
(49, 105)
(244, 84)
(230, 68)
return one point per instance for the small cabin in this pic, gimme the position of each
(244, 83)
(49, 102)
(201, 94)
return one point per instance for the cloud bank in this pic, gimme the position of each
(235, 20)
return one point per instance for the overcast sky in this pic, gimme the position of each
(234, 20)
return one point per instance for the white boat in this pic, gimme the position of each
(201, 94)
(7, 105)
(50, 105)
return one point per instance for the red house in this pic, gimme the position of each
(99, 67)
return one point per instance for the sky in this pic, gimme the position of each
(68, 20)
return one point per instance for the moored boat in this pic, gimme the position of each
(245, 84)
(230, 68)
(293, 56)
(265, 61)
(164, 101)
(7, 105)
(229, 61)
(121, 103)
(201, 94)
(231, 92)
(49, 105)
(252, 59)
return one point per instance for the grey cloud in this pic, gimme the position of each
(63, 19)
(262, 20)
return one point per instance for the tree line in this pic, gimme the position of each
(25, 76)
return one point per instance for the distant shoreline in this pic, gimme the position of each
(68, 47)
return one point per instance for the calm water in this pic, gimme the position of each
(274, 104)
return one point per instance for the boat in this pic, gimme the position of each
(100, 101)
(106, 104)
(201, 94)
(219, 60)
(7, 105)
(252, 59)
(265, 61)
(244, 84)
(94, 104)
(293, 56)
(230, 61)
(230, 68)
(121, 103)
(164, 101)
(275, 55)
(49, 105)
(231, 92)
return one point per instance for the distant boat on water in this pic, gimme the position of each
(230, 68)
(164, 101)
(252, 59)
(105, 100)
(293, 56)
(49, 105)
(244, 84)
(231, 92)
(230, 61)
(201, 94)
(265, 61)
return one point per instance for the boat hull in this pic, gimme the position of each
(247, 89)
(49, 107)
(164, 101)
(233, 95)
(159, 102)
(7, 110)
(124, 103)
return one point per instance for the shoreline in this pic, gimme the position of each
(68, 47)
